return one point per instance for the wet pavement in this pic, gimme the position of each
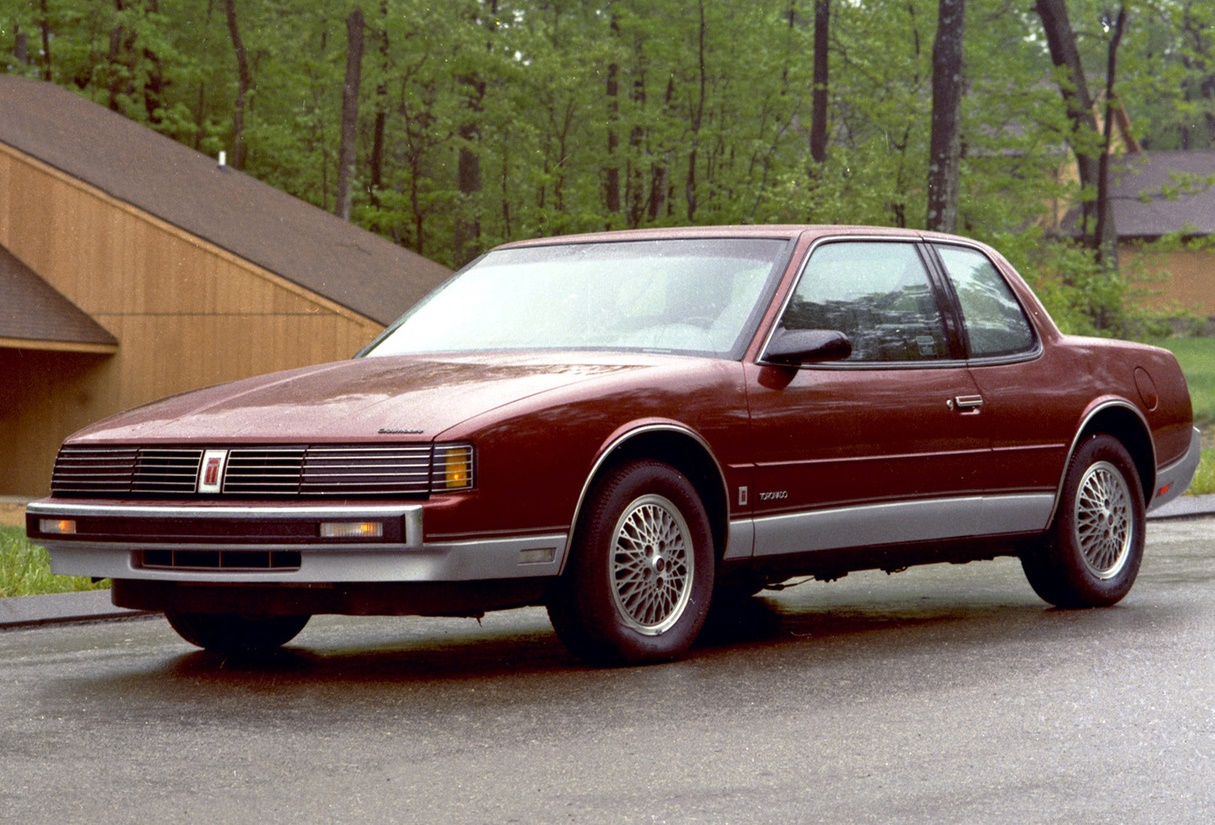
(942, 694)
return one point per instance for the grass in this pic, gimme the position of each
(25, 569)
(1204, 479)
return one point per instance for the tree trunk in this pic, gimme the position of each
(1061, 40)
(945, 152)
(21, 46)
(634, 194)
(243, 82)
(44, 22)
(818, 107)
(468, 172)
(660, 184)
(697, 116)
(350, 114)
(121, 42)
(376, 183)
(611, 172)
(1106, 233)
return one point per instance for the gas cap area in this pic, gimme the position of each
(1147, 388)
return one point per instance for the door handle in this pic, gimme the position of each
(966, 404)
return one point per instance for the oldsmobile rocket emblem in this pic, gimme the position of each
(211, 471)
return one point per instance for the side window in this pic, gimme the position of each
(878, 294)
(995, 324)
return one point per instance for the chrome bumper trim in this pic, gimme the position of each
(415, 560)
(410, 513)
(456, 562)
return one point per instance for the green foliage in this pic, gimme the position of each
(1173, 105)
(25, 569)
(573, 115)
(1080, 296)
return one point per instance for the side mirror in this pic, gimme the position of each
(801, 346)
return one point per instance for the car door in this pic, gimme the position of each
(883, 446)
(1026, 403)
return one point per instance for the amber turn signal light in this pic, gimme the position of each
(351, 529)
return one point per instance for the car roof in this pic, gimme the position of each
(774, 231)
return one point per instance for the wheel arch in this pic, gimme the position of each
(1123, 421)
(682, 449)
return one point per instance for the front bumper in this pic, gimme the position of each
(272, 544)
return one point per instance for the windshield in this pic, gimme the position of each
(694, 296)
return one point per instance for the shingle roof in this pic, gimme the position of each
(1161, 193)
(33, 312)
(285, 235)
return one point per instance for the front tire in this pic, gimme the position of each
(231, 633)
(640, 577)
(1091, 556)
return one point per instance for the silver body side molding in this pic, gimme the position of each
(901, 522)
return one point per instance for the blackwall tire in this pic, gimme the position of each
(231, 633)
(639, 580)
(1091, 555)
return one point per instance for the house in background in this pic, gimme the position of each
(132, 267)
(1168, 194)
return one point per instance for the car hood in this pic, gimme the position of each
(354, 400)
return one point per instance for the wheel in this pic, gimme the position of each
(234, 633)
(1091, 554)
(637, 586)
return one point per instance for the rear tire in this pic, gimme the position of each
(640, 577)
(1091, 555)
(233, 633)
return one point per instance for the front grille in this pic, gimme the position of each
(355, 471)
(166, 472)
(324, 471)
(100, 471)
(254, 473)
(231, 560)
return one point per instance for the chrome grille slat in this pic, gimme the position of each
(396, 470)
(264, 471)
(252, 472)
(166, 471)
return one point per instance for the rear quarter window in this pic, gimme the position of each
(994, 321)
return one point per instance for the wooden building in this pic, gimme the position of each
(132, 267)
(1168, 195)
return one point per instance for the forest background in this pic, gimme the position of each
(452, 126)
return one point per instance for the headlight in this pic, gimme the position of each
(453, 468)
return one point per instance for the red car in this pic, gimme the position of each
(626, 427)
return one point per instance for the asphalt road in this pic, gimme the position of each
(943, 694)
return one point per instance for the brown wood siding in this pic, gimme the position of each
(1178, 279)
(186, 314)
